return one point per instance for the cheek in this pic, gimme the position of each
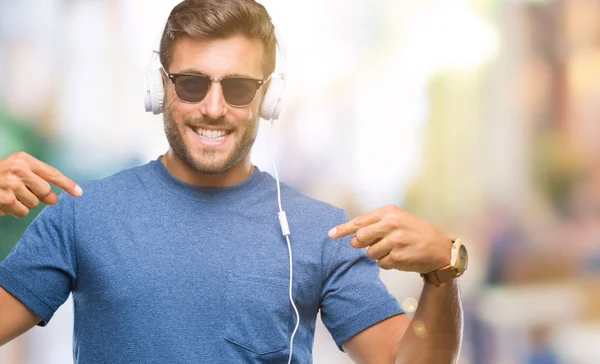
(258, 101)
(244, 117)
(171, 103)
(178, 110)
(254, 111)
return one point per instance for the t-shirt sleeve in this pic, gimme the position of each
(41, 269)
(353, 297)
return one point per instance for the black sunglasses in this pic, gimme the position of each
(237, 91)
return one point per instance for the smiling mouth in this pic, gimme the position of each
(211, 136)
(211, 133)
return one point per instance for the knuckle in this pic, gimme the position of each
(21, 214)
(391, 224)
(8, 200)
(371, 253)
(19, 169)
(54, 174)
(13, 182)
(397, 236)
(34, 203)
(48, 190)
(383, 265)
(360, 235)
(391, 208)
(397, 256)
(20, 156)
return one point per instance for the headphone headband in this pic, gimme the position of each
(271, 105)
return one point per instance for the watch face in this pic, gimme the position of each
(463, 258)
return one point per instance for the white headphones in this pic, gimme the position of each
(271, 104)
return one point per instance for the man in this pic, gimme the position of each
(182, 260)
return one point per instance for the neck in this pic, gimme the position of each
(183, 172)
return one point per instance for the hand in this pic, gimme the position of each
(24, 184)
(398, 240)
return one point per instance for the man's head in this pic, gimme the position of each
(217, 39)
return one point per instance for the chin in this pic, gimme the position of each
(211, 165)
(211, 168)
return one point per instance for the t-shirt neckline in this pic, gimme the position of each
(208, 193)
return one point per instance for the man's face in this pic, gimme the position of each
(194, 130)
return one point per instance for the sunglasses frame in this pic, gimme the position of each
(173, 77)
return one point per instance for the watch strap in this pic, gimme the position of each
(442, 275)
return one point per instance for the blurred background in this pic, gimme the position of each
(481, 116)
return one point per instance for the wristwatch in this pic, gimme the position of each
(459, 260)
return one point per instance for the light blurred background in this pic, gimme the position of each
(482, 116)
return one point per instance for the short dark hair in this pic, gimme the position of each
(219, 19)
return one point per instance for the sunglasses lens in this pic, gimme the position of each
(239, 91)
(192, 88)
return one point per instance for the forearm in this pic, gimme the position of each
(435, 333)
(15, 318)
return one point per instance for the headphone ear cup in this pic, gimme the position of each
(271, 105)
(155, 92)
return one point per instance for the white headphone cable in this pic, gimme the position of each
(285, 229)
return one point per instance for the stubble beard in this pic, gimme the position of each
(206, 161)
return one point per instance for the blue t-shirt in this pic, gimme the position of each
(166, 272)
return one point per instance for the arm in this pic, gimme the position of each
(15, 318)
(433, 336)
(436, 330)
(398, 240)
(24, 184)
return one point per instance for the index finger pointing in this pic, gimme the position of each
(54, 176)
(352, 226)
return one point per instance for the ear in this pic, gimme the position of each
(164, 76)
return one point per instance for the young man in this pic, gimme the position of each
(182, 260)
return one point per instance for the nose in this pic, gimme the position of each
(214, 106)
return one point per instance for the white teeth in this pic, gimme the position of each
(211, 134)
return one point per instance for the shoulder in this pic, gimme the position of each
(100, 193)
(295, 202)
(119, 181)
(121, 184)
